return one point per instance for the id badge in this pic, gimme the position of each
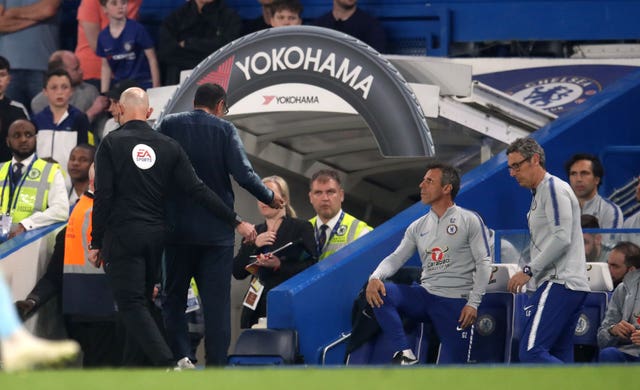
(192, 301)
(252, 297)
(5, 225)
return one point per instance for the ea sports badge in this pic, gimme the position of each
(143, 156)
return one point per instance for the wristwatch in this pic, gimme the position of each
(527, 271)
(238, 220)
(91, 246)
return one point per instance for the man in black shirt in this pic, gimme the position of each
(10, 110)
(135, 169)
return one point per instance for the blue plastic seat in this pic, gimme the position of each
(259, 347)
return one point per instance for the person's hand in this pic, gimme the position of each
(17, 231)
(268, 260)
(277, 202)
(374, 293)
(94, 257)
(622, 330)
(517, 281)
(468, 316)
(24, 308)
(99, 105)
(635, 337)
(247, 231)
(266, 238)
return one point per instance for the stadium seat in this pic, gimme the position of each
(593, 312)
(378, 352)
(258, 347)
(500, 275)
(493, 333)
(599, 277)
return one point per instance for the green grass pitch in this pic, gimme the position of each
(303, 378)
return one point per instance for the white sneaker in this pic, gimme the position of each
(24, 351)
(184, 364)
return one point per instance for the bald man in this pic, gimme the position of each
(136, 167)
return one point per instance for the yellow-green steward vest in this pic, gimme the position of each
(32, 190)
(349, 229)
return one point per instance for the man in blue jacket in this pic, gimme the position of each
(200, 245)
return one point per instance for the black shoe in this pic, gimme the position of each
(401, 360)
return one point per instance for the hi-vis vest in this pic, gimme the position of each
(85, 290)
(349, 229)
(32, 194)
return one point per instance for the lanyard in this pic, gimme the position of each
(333, 232)
(14, 199)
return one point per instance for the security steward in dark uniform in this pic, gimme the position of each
(135, 168)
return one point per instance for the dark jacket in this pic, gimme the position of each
(9, 112)
(202, 33)
(299, 256)
(135, 168)
(215, 150)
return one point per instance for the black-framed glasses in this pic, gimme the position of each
(517, 165)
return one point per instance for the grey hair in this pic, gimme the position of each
(527, 147)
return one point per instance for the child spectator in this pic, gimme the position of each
(126, 48)
(286, 13)
(60, 125)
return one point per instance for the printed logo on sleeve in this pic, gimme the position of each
(143, 156)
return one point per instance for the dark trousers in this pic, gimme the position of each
(211, 267)
(132, 264)
(101, 342)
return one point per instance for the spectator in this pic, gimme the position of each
(19, 349)
(346, 17)
(453, 246)
(114, 97)
(633, 222)
(35, 193)
(286, 13)
(326, 196)
(10, 110)
(585, 176)
(280, 227)
(126, 49)
(135, 169)
(215, 149)
(619, 333)
(594, 249)
(557, 258)
(261, 22)
(61, 126)
(80, 159)
(87, 300)
(92, 20)
(85, 96)
(192, 32)
(28, 36)
(617, 261)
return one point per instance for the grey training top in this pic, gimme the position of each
(454, 251)
(624, 305)
(557, 247)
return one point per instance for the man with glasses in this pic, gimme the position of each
(200, 245)
(557, 258)
(33, 190)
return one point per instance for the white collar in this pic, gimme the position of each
(330, 223)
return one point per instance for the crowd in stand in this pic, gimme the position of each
(57, 106)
